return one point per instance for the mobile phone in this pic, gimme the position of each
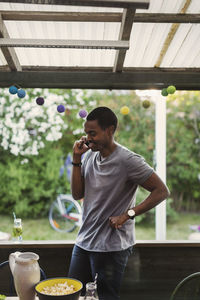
(87, 143)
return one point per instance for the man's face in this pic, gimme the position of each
(98, 138)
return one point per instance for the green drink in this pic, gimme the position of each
(17, 229)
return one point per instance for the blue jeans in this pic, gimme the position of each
(108, 265)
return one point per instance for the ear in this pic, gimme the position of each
(110, 130)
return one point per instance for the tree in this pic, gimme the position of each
(183, 149)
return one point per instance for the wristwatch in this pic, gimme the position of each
(131, 213)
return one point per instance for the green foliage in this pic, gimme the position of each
(142, 194)
(74, 101)
(149, 216)
(29, 188)
(172, 215)
(176, 230)
(36, 229)
(183, 149)
(29, 183)
(135, 130)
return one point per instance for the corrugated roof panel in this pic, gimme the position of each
(194, 7)
(2, 59)
(145, 44)
(70, 8)
(163, 6)
(147, 39)
(155, 44)
(138, 43)
(64, 30)
(195, 60)
(175, 45)
(155, 36)
(189, 47)
(184, 48)
(70, 58)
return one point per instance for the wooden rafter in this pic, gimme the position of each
(92, 78)
(9, 54)
(97, 77)
(61, 16)
(170, 36)
(166, 18)
(97, 17)
(56, 43)
(133, 4)
(124, 34)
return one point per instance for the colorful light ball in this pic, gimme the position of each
(13, 90)
(60, 108)
(124, 110)
(171, 89)
(40, 100)
(21, 93)
(164, 92)
(83, 113)
(146, 103)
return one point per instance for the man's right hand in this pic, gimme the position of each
(80, 147)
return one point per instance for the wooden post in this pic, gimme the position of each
(160, 134)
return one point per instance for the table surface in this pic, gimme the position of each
(36, 298)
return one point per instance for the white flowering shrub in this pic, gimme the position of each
(34, 143)
(25, 126)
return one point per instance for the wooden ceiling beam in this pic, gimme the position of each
(166, 18)
(124, 34)
(9, 54)
(133, 4)
(61, 16)
(138, 78)
(59, 43)
(9, 15)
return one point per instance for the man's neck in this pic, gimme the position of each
(107, 151)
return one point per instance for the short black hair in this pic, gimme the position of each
(104, 116)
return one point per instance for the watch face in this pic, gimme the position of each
(131, 213)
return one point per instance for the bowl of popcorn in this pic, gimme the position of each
(62, 288)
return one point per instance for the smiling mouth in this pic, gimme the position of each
(92, 144)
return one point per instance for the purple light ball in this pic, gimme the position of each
(60, 108)
(13, 90)
(40, 100)
(21, 93)
(83, 113)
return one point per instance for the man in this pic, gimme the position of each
(108, 179)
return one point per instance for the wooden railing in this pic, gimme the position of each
(153, 270)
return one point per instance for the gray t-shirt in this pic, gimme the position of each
(110, 190)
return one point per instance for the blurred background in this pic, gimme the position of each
(36, 145)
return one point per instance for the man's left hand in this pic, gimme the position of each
(118, 221)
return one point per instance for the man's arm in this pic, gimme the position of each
(158, 192)
(77, 180)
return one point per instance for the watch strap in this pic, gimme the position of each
(76, 164)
